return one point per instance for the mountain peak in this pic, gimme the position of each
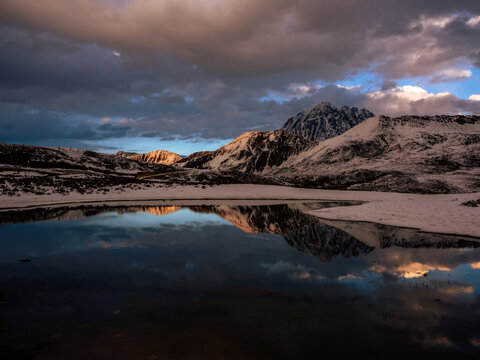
(324, 105)
(325, 121)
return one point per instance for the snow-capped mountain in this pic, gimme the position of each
(325, 121)
(428, 154)
(408, 153)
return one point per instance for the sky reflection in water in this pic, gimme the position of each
(229, 276)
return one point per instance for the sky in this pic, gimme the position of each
(190, 75)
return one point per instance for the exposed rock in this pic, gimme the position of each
(325, 121)
(471, 203)
(158, 157)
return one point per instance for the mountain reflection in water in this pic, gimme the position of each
(178, 281)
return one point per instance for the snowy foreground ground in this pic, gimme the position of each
(431, 213)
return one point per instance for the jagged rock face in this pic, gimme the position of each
(125, 154)
(252, 152)
(325, 121)
(428, 154)
(158, 157)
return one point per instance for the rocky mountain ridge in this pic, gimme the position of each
(251, 152)
(325, 121)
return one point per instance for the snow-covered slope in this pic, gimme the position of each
(251, 152)
(325, 121)
(401, 153)
(158, 157)
(69, 158)
(41, 170)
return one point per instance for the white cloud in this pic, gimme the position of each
(439, 22)
(352, 87)
(410, 99)
(406, 92)
(475, 97)
(456, 73)
(452, 74)
(474, 21)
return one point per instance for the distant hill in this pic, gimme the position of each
(44, 170)
(158, 157)
(43, 157)
(325, 121)
(125, 154)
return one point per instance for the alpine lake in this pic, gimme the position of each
(231, 280)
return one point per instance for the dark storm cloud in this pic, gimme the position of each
(203, 67)
(252, 37)
(389, 84)
(20, 123)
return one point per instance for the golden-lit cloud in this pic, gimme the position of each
(458, 290)
(408, 270)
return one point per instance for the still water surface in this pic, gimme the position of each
(231, 281)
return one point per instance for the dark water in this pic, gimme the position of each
(231, 282)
